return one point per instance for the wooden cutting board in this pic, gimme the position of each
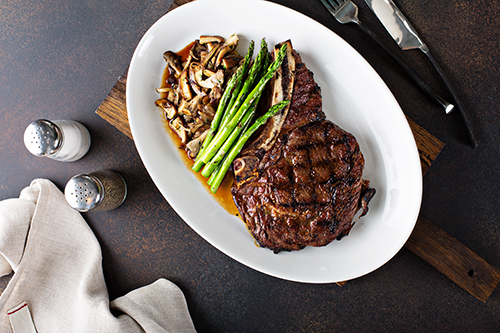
(428, 240)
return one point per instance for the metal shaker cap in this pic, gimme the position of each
(83, 192)
(42, 137)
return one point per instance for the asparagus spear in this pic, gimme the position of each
(214, 162)
(249, 82)
(254, 73)
(239, 85)
(236, 149)
(232, 89)
(218, 116)
(226, 130)
(253, 110)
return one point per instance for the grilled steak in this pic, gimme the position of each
(299, 182)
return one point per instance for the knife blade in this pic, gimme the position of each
(407, 38)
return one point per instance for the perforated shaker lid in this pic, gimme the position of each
(42, 137)
(83, 192)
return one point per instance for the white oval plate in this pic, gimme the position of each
(354, 97)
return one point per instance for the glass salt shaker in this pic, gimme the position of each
(102, 190)
(61, 140)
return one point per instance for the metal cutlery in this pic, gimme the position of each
(345, 11)
(407, 38)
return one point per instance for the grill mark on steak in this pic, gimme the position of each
(305, 188)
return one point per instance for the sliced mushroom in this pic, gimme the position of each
(206, 113)
(205, 100)
(179, 128)
(207, 63)
(208, 72)
(196, 49)
(195, 87)
(200, 131)
(197, 73)
(203, 55)
(218, 78)
(230, 62)
(173, 80)
(169, 109)
(170, 94)
(185, 87)
(211, 39)
(173, 96)
(173, 61)
(195, 125)
(194, 145)
(234, 53)
(194, 55)
(196, 78)
(192, 106)
(215, 94)
(163, 90)
(210, 109)
(211, 46)
(182, 105)
(228, 47)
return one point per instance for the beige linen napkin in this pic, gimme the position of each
(57, 267)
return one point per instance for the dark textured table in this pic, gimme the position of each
(59, 59)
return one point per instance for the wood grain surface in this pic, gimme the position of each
(453, 259)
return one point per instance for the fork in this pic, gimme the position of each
(345, 11)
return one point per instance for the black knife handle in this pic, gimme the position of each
(410, 71)
(453, 93)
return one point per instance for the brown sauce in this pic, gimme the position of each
(223, 195)
(183, 54)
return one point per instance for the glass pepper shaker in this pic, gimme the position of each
(102, 190)
(61, 140)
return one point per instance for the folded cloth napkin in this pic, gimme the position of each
(57, 267)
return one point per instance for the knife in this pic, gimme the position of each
(407, 38)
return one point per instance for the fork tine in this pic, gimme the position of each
(332, 7)
(344, 11)
(336, 3)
